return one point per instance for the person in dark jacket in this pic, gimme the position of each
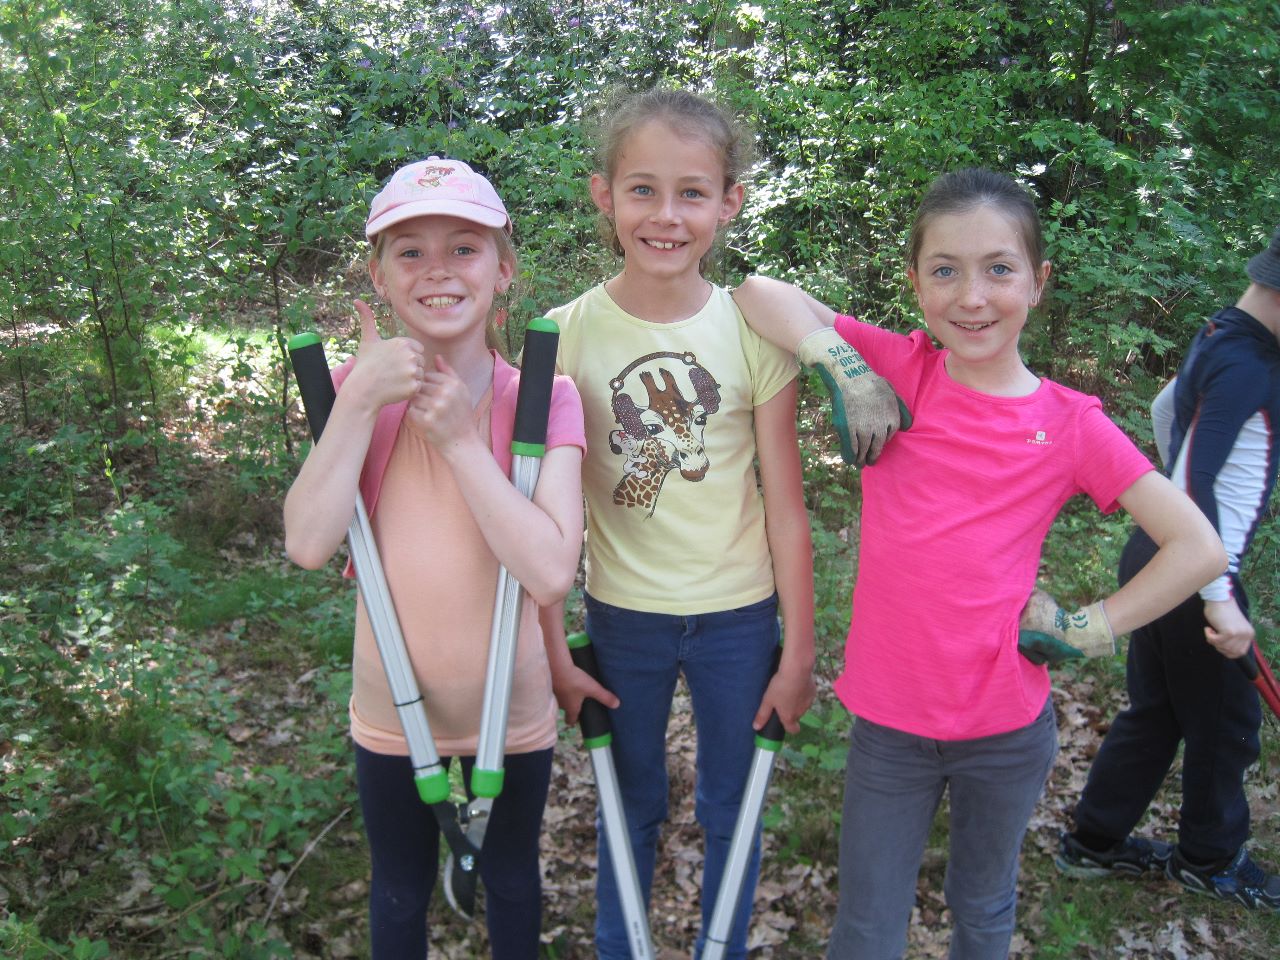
(1215, 427)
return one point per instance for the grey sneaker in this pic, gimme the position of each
(1132, 857)
(1241, 880)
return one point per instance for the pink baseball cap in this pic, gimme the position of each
(441, 187)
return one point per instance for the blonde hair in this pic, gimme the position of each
(506, 249)
(689, 115)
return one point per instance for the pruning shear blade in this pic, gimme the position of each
(464, 826)
(463, 830)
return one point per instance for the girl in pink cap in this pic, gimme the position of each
(421, 427)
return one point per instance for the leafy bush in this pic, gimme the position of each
(185, 186)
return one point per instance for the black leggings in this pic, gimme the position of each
(404, 844)
(1181, 690)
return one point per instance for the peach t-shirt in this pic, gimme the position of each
(442, 578)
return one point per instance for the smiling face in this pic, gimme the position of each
(440, 275)
(976, 281)
(667, 198)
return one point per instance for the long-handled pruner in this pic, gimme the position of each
(768, 743)
(597, 735)
(528, 444)
(463, 833)
(316, 386)
(1259, 673)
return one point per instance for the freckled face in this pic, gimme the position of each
(440, 275)
(976, 283)
(667, 199)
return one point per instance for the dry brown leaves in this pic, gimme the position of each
(794, 902)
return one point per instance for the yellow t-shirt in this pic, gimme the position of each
(675, 519)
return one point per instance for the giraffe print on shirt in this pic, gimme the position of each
(667, 433)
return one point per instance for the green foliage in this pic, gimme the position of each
(267, 614)
(213, 158)
(1116, 115)
(116, 722)
(147, 758)
(823, 741)
(23, 941)
(185, 186)
(1082, 552)
(1069, 931)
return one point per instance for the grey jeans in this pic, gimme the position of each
(894, 782)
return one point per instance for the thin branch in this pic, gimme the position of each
(311, 845)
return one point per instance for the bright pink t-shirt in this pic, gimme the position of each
(954, 514)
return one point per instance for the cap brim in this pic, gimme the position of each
(461, 209)
(1264, 268)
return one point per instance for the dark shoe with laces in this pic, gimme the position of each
(1132, 857)
(1241, 880)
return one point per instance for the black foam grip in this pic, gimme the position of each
(773, 728)
(315, 384)
(1249, 664)
(537, 370)
(593, 718)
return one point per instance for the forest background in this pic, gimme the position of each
(184, 186)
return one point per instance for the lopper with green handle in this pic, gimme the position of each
(768, 743)
(597, 737)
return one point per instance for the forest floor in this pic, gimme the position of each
(315, 902)
(1148, 919)
(268, 667)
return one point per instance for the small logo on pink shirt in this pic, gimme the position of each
(1040, 440)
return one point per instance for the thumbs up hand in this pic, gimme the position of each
(386, 371)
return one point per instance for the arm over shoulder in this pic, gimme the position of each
(780, 312)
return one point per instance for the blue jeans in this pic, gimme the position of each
(404, 845)
(894, 782)
(725, 658)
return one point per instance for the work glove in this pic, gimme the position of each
(864, 408)
(1049, 634)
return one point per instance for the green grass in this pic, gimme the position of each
(268, 611)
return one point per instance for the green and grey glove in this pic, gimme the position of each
(864, 409)
(1049, 634)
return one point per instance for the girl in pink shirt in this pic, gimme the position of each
(945, 657)
(421, 426)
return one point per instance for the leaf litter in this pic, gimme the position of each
(796, 897)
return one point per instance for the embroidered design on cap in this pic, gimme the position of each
(433, 176)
